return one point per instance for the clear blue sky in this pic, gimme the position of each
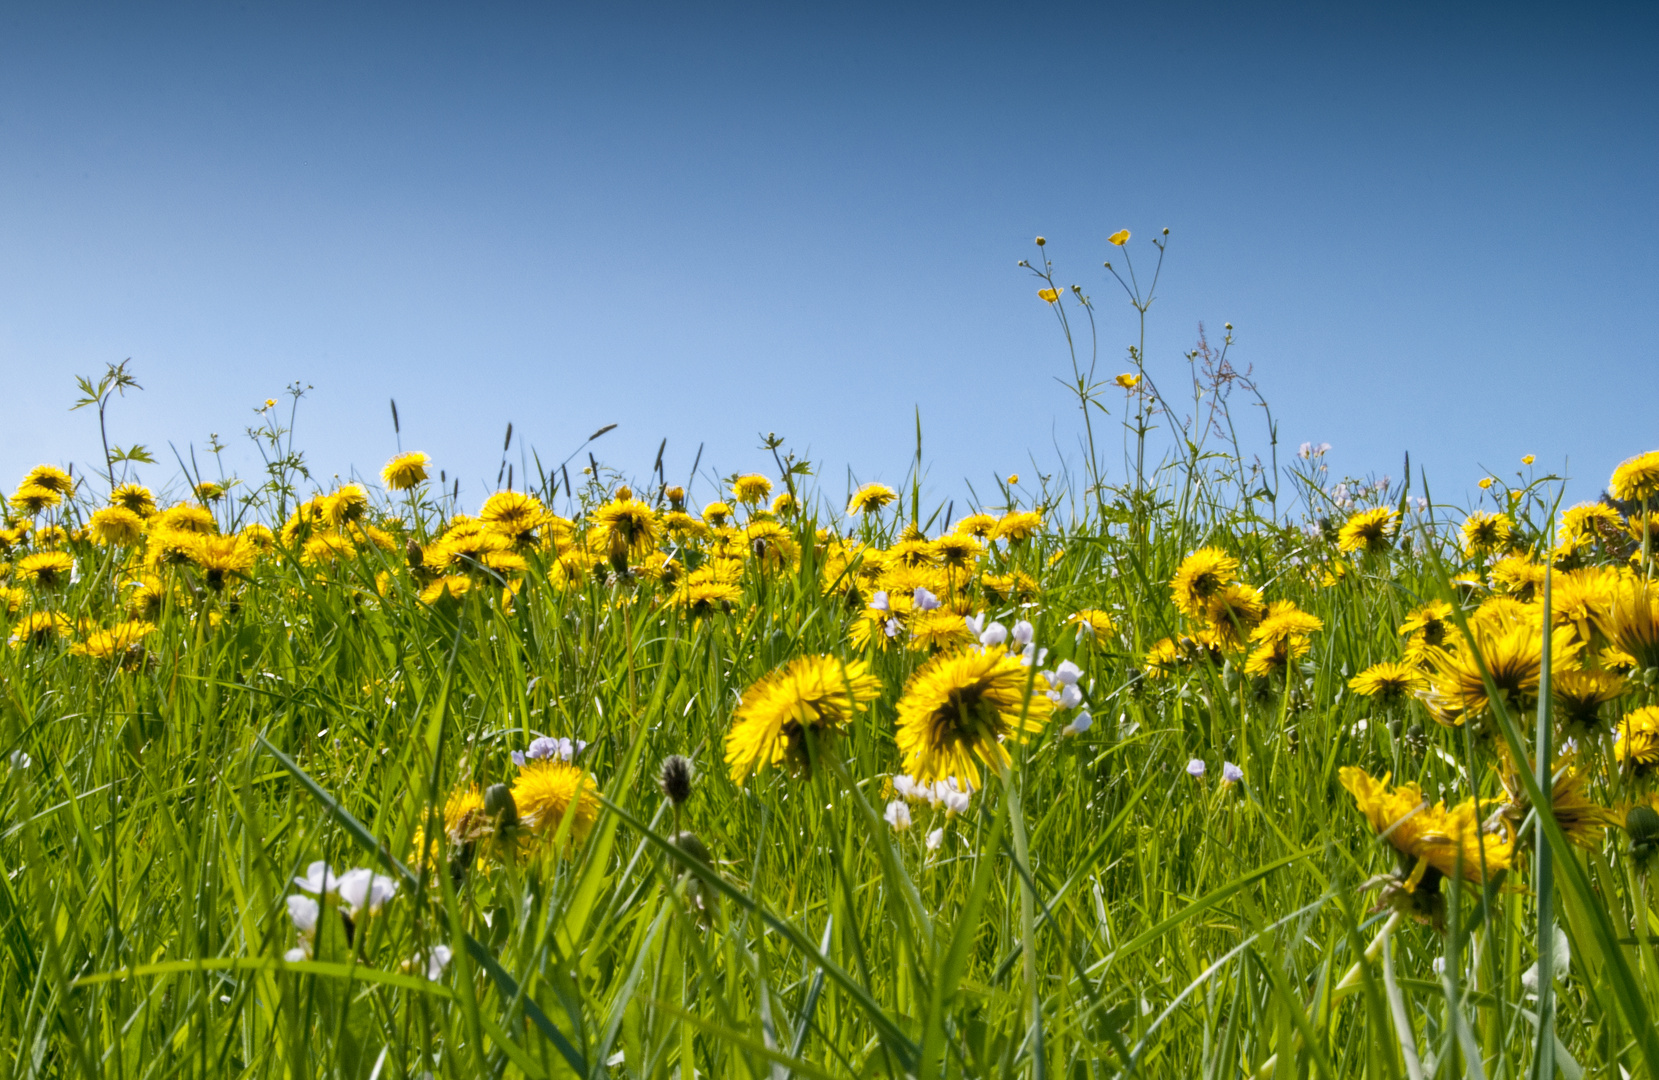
(1433, 229)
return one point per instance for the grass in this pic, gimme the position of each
(1097, 911)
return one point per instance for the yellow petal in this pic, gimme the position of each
(1120, 238)
(1050, 295)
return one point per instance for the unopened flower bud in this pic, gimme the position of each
(676, 777)
(499, 804)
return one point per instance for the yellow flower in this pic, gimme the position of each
(209, 491)
(1579, 696)
(716, 513)
(1200, 576)
(513, 515)
(348, 504)
(869, 497)
(1368, 530)
(1528, 460)
(1283, 620)
(1583, 821)
(1018, 525)
(185, 517)
(123, 642)
(1636, 479)
(1232, 614)
(39, 628)
(704, 597)
(1093, 627)
(45, 569)
(1128, 380)
(31, 499)
(959, 709)
(1631, 623)
(1637, 747)
(751, 490)
(977, 525)
(1589, 521)
(771, 545)
(222, 556)
(549, 791)
(1486, 482)
(134, 497)
(1274, 656)
(626, 528)
(405, 471)
(270, 403)
(1013, 479)
(1484, 533)
(1119, 238)
(1448, 842)
(450, 589)
(51, 478)
(1512, 650)
(1051, 295)
(116, 525)
(787, 714)
(1389, 682)
(784, 504)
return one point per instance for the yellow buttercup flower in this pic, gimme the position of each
(1528, 460)
(1051, 295)
(1486, 482)
(1119, 238)
(1128, 380)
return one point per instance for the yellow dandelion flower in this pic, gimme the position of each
(870, 497)
(1233, 613)
(1513, 654)
(39, 628)
(514, 515)
(449, 589)
(149, 595)
(327, 548)
(1018, 526)
(1589, 521)
(1273, 656)
(1583, 820)
(1637, 747)
(751, 490)
(116, 526)
(1094, 627)
(45, 569)
(1430, 838)
(702, 599)
(784, 504)
(1368, 530)
(258, 536)
(1389, 682)
(1014, 587)
(771, 545)
(1630, 622)
(940, 628)
(134, 497)
(51, 478)
(31, 499)
(1518, 576)
(958, 709)
(1485, 533)
(549, 792)
(1283, 619)
(1199, 577)
(406, 471)
(122, 643)
(1579, 696)
(220, 557)
(956, 550)
(980, 526)
(786, 714)
(347, 505)
(186, 517)
(1637, 478)
(209, 491)
(716, 513)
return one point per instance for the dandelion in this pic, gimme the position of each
(1485, 533)
(625, 528)
(406, 471)
(870, 497)
(546, 792)
(220, 557)
(958, 709)
(979, 526)
(1637, 748)
(116, 526)
(1368, 530)
(1093, 627)
(1579, 696)
(751, 490)
(1636, 479)
(32, 499)
(122, 643)
(787, 714)
(51, 478)
(45, 569)
(134, 497)
(1018, 526)
(1389, 682)
(1199, 577)
(513, 515)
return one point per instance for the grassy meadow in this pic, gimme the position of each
(1207, 763)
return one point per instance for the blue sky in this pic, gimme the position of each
(1433, 230)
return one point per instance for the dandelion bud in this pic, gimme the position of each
(499, 804)
(675, 778)
(412, 552)
(675, 496)
(624, 493)
(688, 843)
(1642, 823)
